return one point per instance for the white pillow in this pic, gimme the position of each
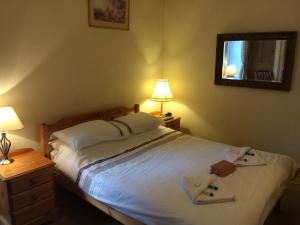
(122, 127)
(89, 133)
(56, 143)
(139, 122)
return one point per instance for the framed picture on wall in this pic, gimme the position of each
(109, 13)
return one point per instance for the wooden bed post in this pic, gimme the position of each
(44, 139)
(136, 108)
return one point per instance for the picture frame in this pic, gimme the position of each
(109, 13)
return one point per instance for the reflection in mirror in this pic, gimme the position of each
(259, 60)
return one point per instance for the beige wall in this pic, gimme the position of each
(264, 119)
(52, 64)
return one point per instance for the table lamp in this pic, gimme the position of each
(162, 93)
(8, 121)
(231, 71)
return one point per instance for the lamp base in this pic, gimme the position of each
(161, 109)
(4, 148)
(6, 162)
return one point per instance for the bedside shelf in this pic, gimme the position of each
(172, 123)
(27, 189)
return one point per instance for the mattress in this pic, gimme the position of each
(144, 183)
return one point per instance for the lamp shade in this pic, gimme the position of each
(9, 119)
(231, 70)
(162, 91)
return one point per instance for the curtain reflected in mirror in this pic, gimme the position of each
(258, 60)
(261, 60)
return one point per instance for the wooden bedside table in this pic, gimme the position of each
(172, 123)
(27, 190)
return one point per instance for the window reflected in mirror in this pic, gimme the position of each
(259, 60)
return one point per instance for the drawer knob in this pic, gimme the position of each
(32, 181)
(34, 197)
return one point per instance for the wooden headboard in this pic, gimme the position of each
(47, 129)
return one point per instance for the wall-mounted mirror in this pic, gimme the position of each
(258, 60)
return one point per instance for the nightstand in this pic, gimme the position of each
(27, 189)
(172, 123)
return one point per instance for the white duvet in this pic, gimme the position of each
(145, 183)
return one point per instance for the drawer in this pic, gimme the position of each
(51, 216)
(29, 181)
(32, 196)
(28, 214)
(173, 125)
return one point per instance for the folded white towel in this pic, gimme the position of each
(244, 156)
(234, 155)
(193, 187)
(220, 195)
(251, 160)
(198, 191)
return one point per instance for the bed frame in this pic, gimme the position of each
(47, 129)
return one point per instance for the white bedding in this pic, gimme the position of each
(147, 186)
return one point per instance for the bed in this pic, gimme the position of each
(136, 180)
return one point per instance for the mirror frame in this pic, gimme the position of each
(285, 85)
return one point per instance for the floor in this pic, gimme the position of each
(289, 213)
(73, 211)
